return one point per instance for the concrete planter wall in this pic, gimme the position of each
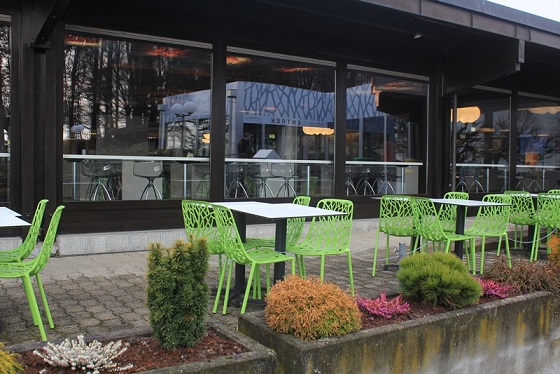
(259, 359)
(515, 335)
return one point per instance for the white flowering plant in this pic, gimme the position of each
(88, 358)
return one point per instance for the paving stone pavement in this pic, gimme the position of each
(102, 293)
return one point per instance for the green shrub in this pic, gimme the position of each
(439, 279)
(177, 293)
(311, 309)
(9, 362)
(525, 276)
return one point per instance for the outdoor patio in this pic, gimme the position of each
(107, 292)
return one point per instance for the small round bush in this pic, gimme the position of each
(439, 279)
(311, 309)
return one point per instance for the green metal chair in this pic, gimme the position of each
(198, 218)
(447, 213)
(21, 252)
(236, 252)
(491, 221)
(548, 216)
(554, 191)
(327, 236)
(522, 213)
(293, 230)
(429, 227)
(395, 219)
(32, 267)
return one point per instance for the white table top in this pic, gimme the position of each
(467, 203)
(7, 219)
(3, 209)
(277, 211)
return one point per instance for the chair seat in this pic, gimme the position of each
(16, 269)
(265, 256)
(305, 250)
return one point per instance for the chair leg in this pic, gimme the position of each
(507, 250)
(222, 273)
(350, 273)
(267, 278)
(33, 305)
(44, 299)
(473, 256)
(387, 249)
(248, 288)
(536, 240)
(322, 270)
(482, 255)
(375, 253)
(28, 289)
(226, 296)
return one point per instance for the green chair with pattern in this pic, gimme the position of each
(491, 221)
(327, 236)
(547, 216)
(21, 252)
(522, 213)
(32, 268)
(429, 227)
(447, 213)
(293, 230)
(237, 253)
(554, 191)
(395, 219)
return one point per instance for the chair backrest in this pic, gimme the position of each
(396, 215)
(199, 220)
(548, 209)
(554, 191)
(33, 234)
(448, 213)
(295, 225)
(522, 210)
(42, 258)
(229, 236)
(493, 220)
(331, 232)
(426, 219)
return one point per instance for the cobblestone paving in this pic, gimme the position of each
(107, 292)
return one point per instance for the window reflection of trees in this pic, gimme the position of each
(111, 85)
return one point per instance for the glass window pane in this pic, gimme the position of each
(128, 103)
(279, 133)
(384, 116)
(5, 61)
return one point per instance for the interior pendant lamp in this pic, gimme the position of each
(309, 130)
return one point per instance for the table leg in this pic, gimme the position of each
(280, 246)
(240, 282)
(460, 229)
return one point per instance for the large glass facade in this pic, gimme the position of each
(482, 143)
(384, 117)
(280, 131)
(135, 115)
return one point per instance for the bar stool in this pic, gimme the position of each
(204, 183)
(151, 170)
(363, 184)
(99, 172)
(259, 180)
(349, 183)
(286, 172)
(235, 173)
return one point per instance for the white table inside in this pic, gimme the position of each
(280, 214)
(462, 206)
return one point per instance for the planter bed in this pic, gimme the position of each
(520, 334)
(258, 359)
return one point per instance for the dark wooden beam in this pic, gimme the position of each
(47, 19)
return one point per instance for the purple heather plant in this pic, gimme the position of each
(382, 307)
(492, 288)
